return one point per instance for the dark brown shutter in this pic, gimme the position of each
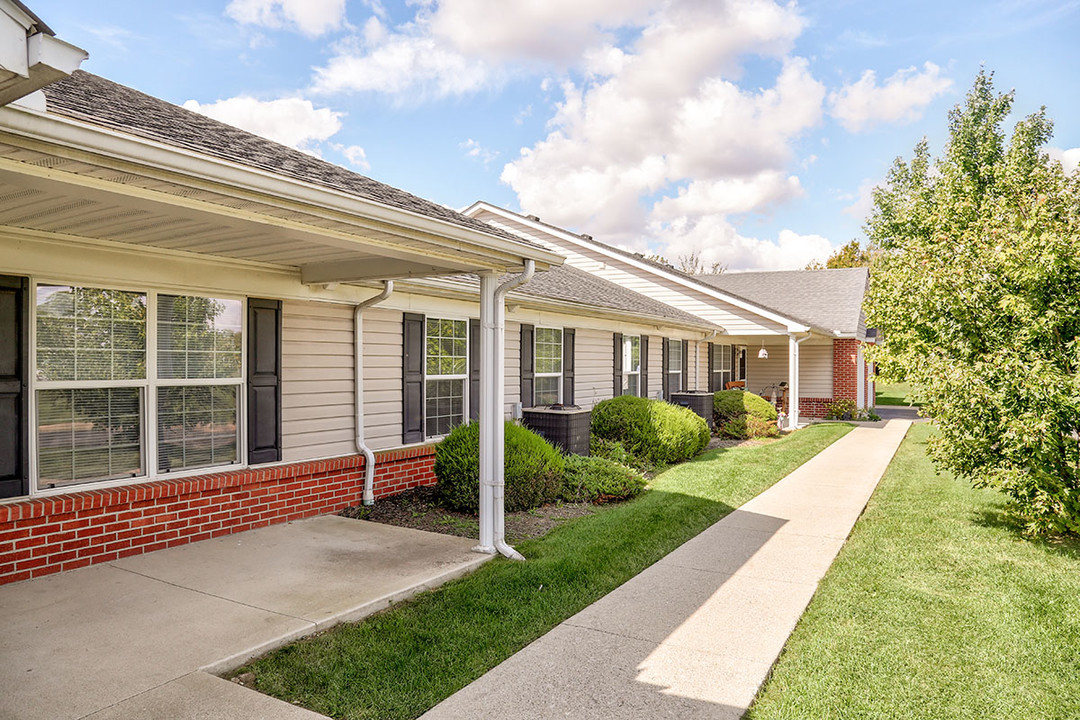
(665, 368)
(712, 375)
(528, 366)
(685, 366)
(264, 381)
(474, 369)
(14, 341)
(616, 367)
(412, 378)
(643, 379)
(568, 366)
(739, 357)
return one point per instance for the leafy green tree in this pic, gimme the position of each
(848, 256)
(977, 292)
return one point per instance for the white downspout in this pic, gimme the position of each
(499, 438)
(358, 389)
(793, 379)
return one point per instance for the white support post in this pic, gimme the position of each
(793, 382)
(490, 422)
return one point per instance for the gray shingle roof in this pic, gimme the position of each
(569, 284)
(829, 300)
(89, 98)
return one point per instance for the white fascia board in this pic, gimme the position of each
(789, 324)
(465, 291)
(104, 142)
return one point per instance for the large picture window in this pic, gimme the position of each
(111, 403)
(631, 364)
(446, 362)
(549, 359)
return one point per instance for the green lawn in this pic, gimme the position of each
(403, 661)
(892, 394)
(936, 608)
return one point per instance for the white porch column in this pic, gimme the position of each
(793, 382)
(491, 429)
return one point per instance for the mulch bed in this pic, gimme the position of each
(420, 509)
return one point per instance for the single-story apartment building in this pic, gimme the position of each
(787, 332)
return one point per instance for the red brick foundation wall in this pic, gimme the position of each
(845, 369)
(810, 407)
(41, 536)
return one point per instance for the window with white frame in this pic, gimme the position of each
(674, 365)
(721, 359)
(111, 403)
(548, 347)
(446, 363)
(631, 364)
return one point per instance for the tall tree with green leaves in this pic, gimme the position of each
(977, 293)
(851, 255)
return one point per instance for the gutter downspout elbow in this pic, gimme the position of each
(500, 445)
(358, 389)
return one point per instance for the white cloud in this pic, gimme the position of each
(1069, 159)
(903, 97)
(862, 201)
(354, 154)
(717, 240)
(729, 195)
(477, 151)
(290, 121)
(310, 17)
(407, 63)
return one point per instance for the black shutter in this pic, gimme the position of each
(568, 366)
(685, 366)
(412, 378)
(528, 366)
(644, 377)
(616, 367)
(474, 369)
(665, 368)
(264, 381)
(14, 341)
(739, 357)
(712, 375)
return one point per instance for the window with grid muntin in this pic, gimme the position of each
(446, 365)
(631, 363)
(548, 356)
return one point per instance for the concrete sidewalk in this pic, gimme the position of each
(696, 634)
(136, 638)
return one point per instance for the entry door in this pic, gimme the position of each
(13, 380)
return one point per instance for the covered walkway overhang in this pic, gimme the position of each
(67, 182)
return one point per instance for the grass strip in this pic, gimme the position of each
(400, 663)
(893, 394)
(936, 608)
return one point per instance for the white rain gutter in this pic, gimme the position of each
(793, 379)
(492, 429)
(358, 391)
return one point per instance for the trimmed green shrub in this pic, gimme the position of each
(533, 469)
(612, 450)
(742, 415)
(652, 431)
(838, 408)
(599, 480)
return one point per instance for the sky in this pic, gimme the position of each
(750, 131)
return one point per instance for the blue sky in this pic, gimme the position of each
(748, 130)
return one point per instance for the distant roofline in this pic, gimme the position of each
(792, 324)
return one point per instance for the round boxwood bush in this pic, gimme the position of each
(743, 415)
(653, 431)
(533, 469)
(599, 480)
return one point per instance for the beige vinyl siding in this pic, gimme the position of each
(622, 271)
(317, 380)
(815, 370)
(512, 377)
(594, 353)
(699, 366)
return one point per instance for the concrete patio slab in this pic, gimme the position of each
(200, 696)
(695, 635)
(80, 642)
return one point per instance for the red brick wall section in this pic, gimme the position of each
(810, 407)
(845, 375)
(41, 536)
